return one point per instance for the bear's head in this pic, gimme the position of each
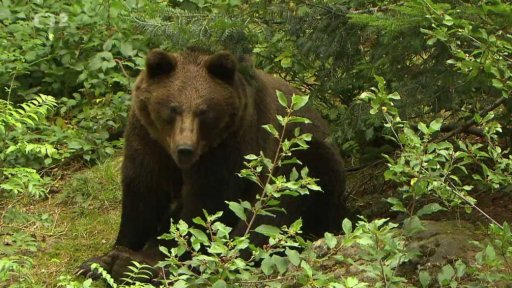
(189, 101)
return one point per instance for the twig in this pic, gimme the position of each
(383, 273)
(478, 209)
(472, 121)
(446, 128)
(124, 71)
(274, 164)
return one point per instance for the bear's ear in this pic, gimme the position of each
(160, 63)
(222, 65)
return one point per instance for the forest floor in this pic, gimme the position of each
(83, 211)
(85, 208)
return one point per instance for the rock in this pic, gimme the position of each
(442, 242)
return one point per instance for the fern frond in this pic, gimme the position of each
(29, 114)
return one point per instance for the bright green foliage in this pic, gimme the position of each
(427, 166)
(23, 180)
(21, 147)
(82, 53)
(382, 246)
(493, 262)
(16, 127)
(13, 265)
(63, 47)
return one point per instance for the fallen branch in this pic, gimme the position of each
(466, 125)
(446, 128)
(470, 130)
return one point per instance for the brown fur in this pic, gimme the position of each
(194, 116)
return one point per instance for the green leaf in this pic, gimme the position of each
(180, 284)
(460, 267)
(435, 125)
(182, 227)
(347, 226)
(199, 221)
(74, 145)
(295, 226)
(238, 209)
(497, 83)
(5, 13)
(220, 284)
(397, 205)
(281, 263)
(425, 279)
(297, 119)
(271, 129)
(218, 248)
(251, 157)
(298, 101)
(293, 256)
(304, 172)
(294, 175)
(268, 230)
(448, 20)
(352, 282)
(314, 187)
(330, 240)
(429, 209)
(281, 119)
(490, 253)
(413, 225)
(286, 62)
(94, 64)
(423, 128)
(381, 82)
(107, 45)
(307, 268)
(200, 235)
(445, 276)
(282, 99)
(394, 96)
(126, 49)
(367, 96)
(267, 266)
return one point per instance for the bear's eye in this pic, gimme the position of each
(202, 112)
(172, 112)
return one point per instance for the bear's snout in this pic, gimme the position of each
(184, 140)
(186, 155)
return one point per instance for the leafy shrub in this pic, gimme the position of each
(70, 47)
(85, 55)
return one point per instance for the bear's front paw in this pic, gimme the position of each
(117, 262)
(86, 269)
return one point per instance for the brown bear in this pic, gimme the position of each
(193, 118)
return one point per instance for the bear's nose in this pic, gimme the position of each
(185, 152)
